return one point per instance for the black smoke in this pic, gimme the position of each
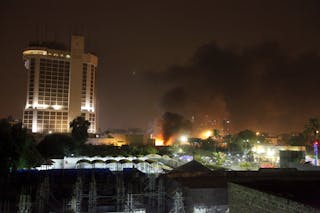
(260, 87)
(172, 124)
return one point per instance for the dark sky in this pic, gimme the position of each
(254, 62)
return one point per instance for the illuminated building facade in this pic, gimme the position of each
(226, 129)
(61, 86)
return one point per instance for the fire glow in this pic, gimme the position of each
(159, 141)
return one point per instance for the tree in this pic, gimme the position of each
(30, 155)
(8, 150)
(150, 150)
(209, 144)
(56, 146)
(80, 128)
(243, 141)
(245, 165)
(219, 158)
(17, 148)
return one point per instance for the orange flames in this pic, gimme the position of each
(159, 141)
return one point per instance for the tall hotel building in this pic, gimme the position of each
(61, 86)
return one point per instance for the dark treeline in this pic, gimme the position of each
(19, 149)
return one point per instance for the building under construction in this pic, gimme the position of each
(189, 188)
(80, 190)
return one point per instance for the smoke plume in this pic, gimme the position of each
(173, 124)
(260, 87)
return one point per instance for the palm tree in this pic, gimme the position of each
(80, 128)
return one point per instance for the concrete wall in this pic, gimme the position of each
(244, 199)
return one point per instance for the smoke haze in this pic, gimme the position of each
(251, 86)
(173, 124)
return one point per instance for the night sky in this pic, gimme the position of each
(256, 63)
